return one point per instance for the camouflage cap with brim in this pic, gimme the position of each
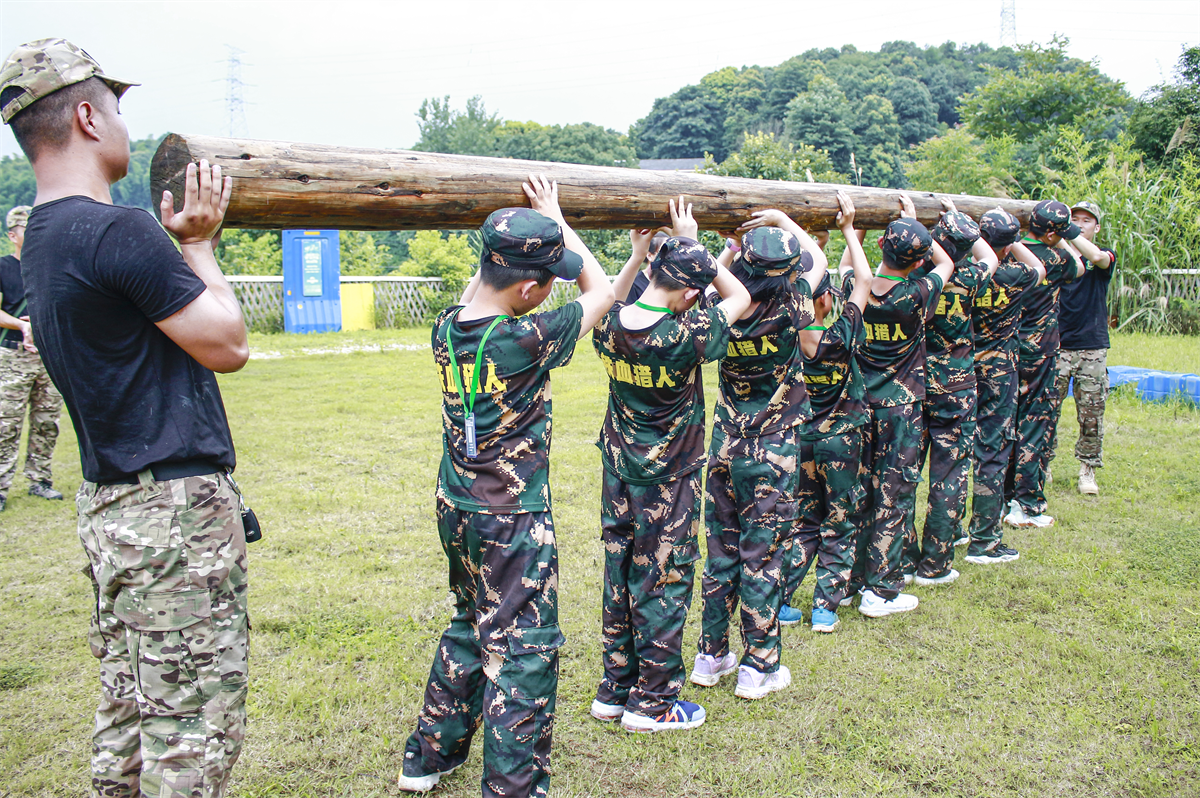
(999, 228)
(773, 252)
(826, 286)
(686, 261)
(956, 233)
(522, 238)
(1051, 216)
(1089, 207)
(905, 242)
(43, 67)
(17, 217)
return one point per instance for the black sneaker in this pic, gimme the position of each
(1001, 553)
(3, 502)
(43, 491)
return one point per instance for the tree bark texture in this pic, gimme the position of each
(279, 184)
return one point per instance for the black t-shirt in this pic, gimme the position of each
(12, 294)
(640, 283)
(97, 278)
(1083, 308)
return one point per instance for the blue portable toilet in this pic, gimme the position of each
(312, 293)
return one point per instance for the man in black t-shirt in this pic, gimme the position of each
(131, 330)
(1083, 328)
(24, 383)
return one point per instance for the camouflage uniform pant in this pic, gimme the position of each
(749, 516)
(831, 490)
(995, 438)
(948, 444)
(1037, 401)
(167, 561)
(650, 552)
(1089, 367)
(24, 384)
(891, 454)
(498, 658)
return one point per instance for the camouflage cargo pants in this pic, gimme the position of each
(749, 516)
(167, 561)
(891, 454)
(25, 385)
(1037, 400)
(831, 490)
(1089, 367)
(948, 444)
(995, 438)
(498, 658)
(650, 552)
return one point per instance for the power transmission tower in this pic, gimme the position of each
(235, 106)
(1008, 23)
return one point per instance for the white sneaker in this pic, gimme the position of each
(1017, 517)
(755, 684)
(708, 670)
(607, 712)
(964, 540)
(875, 606)
(421, 783)
(908, 579)
(1042, 520)
(1087, 481)
(944, 579)
(1049, 477)
(848, 600)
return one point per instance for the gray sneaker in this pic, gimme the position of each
(43, 491)
(1087, 481)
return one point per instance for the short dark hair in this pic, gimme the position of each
(662, 280)
(499, 277)
(46, 124)
(760, 286)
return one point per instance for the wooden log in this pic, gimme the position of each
(285, 185)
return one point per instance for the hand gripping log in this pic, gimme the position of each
(279, 184)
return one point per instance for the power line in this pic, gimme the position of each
(1008, 23)
(235, 105)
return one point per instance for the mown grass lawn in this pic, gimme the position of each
(1072, 672)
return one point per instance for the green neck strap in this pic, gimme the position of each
(1030, 240)
(890, 277)
(468, 400)
(644, 306)
(816, 327)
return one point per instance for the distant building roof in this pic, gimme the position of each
(671, 164)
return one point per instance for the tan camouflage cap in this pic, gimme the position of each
(45, 66)
(17, 217)
(1089, 207)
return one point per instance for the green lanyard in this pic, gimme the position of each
(815, 327)
(890, 277)
(644, 306)
(468, 400)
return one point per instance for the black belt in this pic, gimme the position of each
(10, 344)
(177, 470)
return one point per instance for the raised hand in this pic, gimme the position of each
(682, 223)
(907, 211)
(948, 205)
(845, 217)
(771, 217)
(543, 197)
(205, 200)
(641, 240)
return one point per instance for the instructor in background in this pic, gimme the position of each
(131, 330)
(24, 383)
(1083, 325)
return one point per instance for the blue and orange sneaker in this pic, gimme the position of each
(681, 715)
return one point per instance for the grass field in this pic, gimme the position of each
(1072, 672)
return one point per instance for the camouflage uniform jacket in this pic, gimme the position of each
(1038, 333)
(654, 429)
(949, 339)
(762, 377)
(835, 384)
(893, 359)
(512, 408)
(997, 314)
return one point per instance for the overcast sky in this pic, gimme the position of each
(354, 72)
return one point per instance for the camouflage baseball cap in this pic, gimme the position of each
(1050, 216)
(685, 261)
(905, 242)
(522, 238)
(956, 233)
(826, 286)
(999, 228)
(773, 252)
(17, 217)
(1089, 207)
(43, 67)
